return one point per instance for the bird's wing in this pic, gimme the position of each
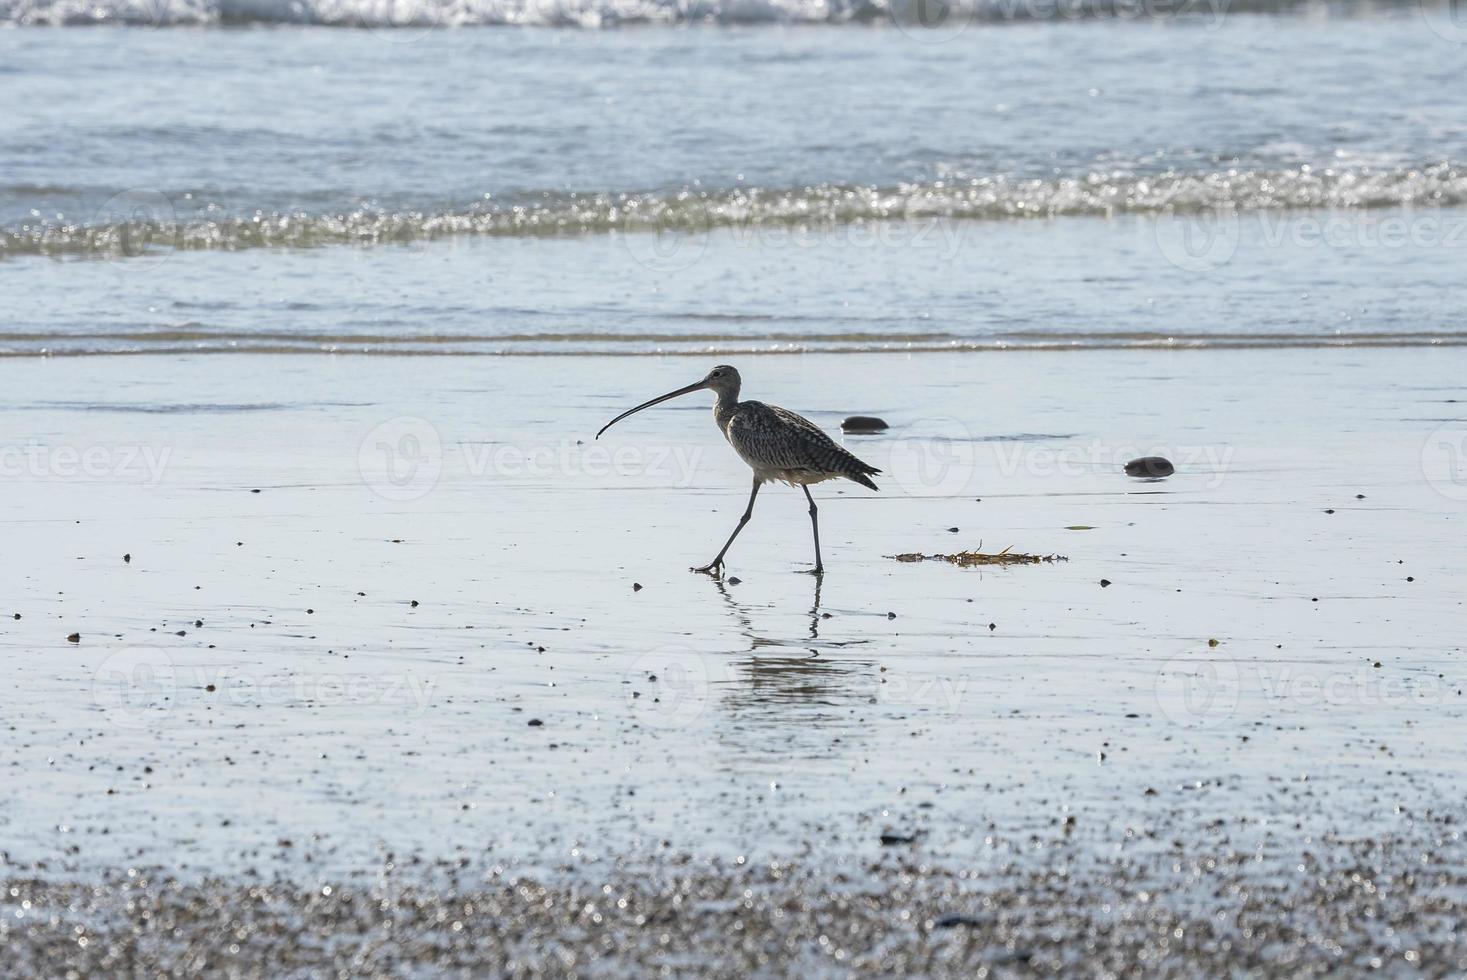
(776, 438)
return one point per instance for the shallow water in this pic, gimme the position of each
(722, 718)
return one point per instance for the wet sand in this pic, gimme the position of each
(306, 684)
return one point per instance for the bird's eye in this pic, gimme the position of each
(718, 374)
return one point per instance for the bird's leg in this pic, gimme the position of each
(814, 526)
(715, 566)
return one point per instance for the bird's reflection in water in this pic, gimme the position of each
(794, 681)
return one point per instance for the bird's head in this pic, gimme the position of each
(724, 380)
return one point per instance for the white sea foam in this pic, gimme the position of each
(936, 14)
(156, 219)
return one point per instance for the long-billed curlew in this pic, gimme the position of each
(776, 443)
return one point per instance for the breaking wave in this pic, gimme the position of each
(138, 223)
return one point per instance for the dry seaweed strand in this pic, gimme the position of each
(973, 559)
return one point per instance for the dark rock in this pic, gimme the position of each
(891, 838)
(953, 919)
(74, 638)
(535, 723)
(864, 423)
(636, 586)
(1104, 582)
(127, 558)
(1150, 467)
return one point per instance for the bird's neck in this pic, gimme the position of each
(723, 409)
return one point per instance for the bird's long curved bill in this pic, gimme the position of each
(655, 401)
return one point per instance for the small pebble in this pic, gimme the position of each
(636, 586)
(536, 723)
(1104, 582)
(73, 638)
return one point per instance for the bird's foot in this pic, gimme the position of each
(713, 568)
(817, 570)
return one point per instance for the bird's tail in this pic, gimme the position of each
(863, 477)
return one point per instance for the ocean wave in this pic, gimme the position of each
(392, 14)
(143, 223)
(578, 344)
